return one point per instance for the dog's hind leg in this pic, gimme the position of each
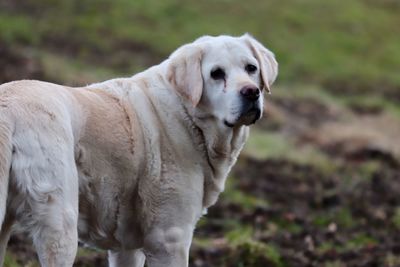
(44, 171)
(55, 233)
(5, 236)
(6, 221)
(132, 258)
(55, 237)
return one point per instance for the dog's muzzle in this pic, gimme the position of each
(251, 107)
(250, 114)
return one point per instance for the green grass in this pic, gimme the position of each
(72, 71)
(396, 218)
(355, 42)
(250, 250)
(272, 145)
(357, 242)
(10, 260)
(342, 217)
(233, 195)
(254, 253)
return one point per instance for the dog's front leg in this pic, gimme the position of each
(168, 246)
(124, 258)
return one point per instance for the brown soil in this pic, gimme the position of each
(299, 195)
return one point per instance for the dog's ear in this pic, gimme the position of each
(266, 59)
(184, 72)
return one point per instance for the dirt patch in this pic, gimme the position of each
(296, 115)
(357, 86)
(313, 218)
(360, 138)
(307, 111)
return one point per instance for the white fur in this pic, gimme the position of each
(139, 159)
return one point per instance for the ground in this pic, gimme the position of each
(318, 182)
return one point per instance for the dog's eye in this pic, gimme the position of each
(218, 74)
(250, 68)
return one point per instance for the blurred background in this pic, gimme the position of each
(318, 183)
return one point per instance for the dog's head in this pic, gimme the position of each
(224, 77)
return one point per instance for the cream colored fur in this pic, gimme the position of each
(129, 164)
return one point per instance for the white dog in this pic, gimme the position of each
(129, 164)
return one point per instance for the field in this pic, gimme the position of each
(318, 183)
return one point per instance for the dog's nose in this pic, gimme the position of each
(250, 93)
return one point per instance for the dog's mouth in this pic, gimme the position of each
(251, 116)
(229, 124)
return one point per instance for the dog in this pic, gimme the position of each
(130, 164)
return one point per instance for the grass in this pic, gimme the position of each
(314, 41)
(396, 218)
(357, 242)
(10, 260)
(71, 71)
(251, 252)
(235, 196)
(254, 253)
(342, 217)
(271, 145)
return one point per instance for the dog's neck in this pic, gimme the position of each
(222, 146)
(219, 144)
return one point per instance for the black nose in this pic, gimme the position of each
(250, 93)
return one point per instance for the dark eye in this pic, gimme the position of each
(250, 68)
(218, 74)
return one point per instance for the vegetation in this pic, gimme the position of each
(318, 41)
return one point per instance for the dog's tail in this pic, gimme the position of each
(5, 164)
